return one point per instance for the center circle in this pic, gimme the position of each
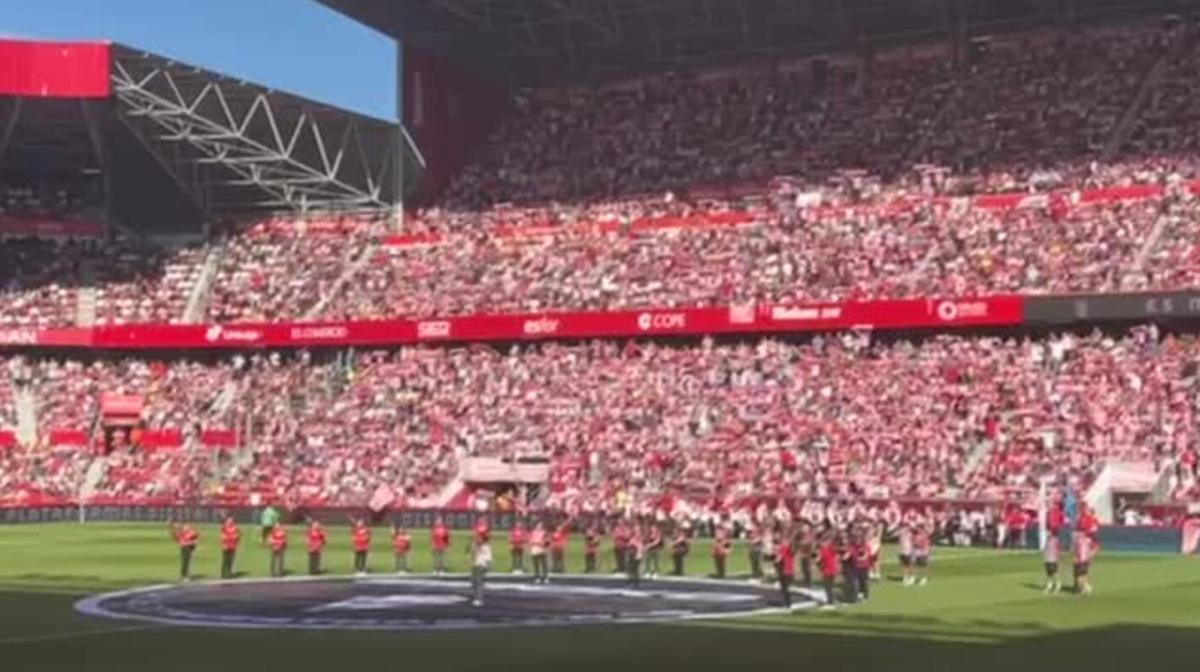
(433, 602)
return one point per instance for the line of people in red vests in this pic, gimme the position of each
(846, 558)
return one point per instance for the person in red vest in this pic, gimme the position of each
(591, 547)
(316, 545)
(401, 545)
(558, 548)
(680, 547)
(785, 567)
(1086, 545)
(830, 566)
(922, 547)
(537, 551)
(439, 541)
(230, 537)
(360, 538)
(518, 536)
(482, 530)
(1056, 519)
(875, 547)
(187, 537)
(720, 550)
(849, 575)
(620, 539)
(634, 557)
(754, 550)
(278, 543)
(860, 556)
(654, 547)
(1051, 550)
(1016, 527)
(1088, 523)
(806, 552)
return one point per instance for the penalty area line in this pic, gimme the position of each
(31, 639)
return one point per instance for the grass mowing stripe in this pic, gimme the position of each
(32, 639)
(982, 609)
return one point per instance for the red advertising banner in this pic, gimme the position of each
(219, 438)
(67, 437)
(161, 439)
(50, 228)
(52, 338)
(894, 314)
(112, 404)
(54, 69)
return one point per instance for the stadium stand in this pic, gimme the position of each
(965, 417)
(1052, 165)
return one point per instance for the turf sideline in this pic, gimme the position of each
(74, 635)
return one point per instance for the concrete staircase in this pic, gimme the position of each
(92, 477)
(976, 458)
(1139, 262)
(923, 137)
(1128, 120)
(197, 304)
(444, 496)
(225, 399)
(86, 297)
(27, 419)
(354, 265)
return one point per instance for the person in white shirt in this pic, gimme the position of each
(480, 564)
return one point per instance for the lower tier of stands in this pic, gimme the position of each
(620, 424)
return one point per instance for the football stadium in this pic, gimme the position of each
(648, 334)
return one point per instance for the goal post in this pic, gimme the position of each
(1043, 510)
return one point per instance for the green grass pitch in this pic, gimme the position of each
(983, 610)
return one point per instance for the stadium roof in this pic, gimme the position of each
(540, 42)
(234, 145)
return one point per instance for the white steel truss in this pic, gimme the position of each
(261, 139)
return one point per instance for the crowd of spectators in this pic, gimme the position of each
(548, 219)
(177, 394)
(677, 130)
(983, 418)
(1039, 109)
(139, 284)
(42, 280)
(284, 268)
(778, 256)
(1022, 113)
(38, 281)
(1164, 133)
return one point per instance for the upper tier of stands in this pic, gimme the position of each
(704, 189)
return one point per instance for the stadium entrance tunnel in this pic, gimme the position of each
(435, 603)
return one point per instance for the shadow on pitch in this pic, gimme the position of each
(841, 641)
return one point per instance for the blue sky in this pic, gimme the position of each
(291, 45)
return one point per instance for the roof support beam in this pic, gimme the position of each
(253, 145)
(10, 124)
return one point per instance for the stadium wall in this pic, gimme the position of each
(70, 513)
(448, 112)
(55, 69)
(1141, 539)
